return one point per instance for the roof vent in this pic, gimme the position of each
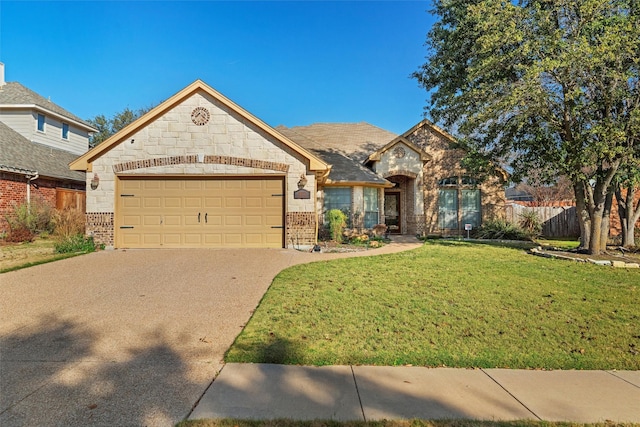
(2, 82)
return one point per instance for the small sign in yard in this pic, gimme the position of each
(468, 227)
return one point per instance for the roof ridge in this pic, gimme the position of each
(27, 96)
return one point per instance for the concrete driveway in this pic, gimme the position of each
(127, 337)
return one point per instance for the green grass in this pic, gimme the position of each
(448, 303)
(566, 244)
(17, 256)
(228, 422)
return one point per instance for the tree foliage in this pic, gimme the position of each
(109, 126)
(545, 85)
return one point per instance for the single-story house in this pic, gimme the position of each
(198, 170)
(38, 140)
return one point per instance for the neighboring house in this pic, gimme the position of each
(198, 170)
(38, 140)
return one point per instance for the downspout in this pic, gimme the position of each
(30, 178)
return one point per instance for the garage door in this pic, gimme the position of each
(215, 212)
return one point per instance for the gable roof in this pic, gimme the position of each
(375, 156)
(342, 145)
(432, 126)
(84, 162)
(19, 155)
(15, 95)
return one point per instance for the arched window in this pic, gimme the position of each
(458, 203)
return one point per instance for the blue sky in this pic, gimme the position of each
(291, 63)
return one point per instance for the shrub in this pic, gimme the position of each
(68, 223)
(25, 220)
(501, 230)
(531, 223)
(337, 222)
(77, 243)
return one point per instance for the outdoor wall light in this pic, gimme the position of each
(302, 182)
(95, 181)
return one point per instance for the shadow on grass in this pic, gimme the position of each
(51, 375)
(508, 244)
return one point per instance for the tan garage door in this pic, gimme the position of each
(191, 213)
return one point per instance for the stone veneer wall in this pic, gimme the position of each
(100, 226)
(172, 145)
(301, 229)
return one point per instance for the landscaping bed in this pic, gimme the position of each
(448, 303)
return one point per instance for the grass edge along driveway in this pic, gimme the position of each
(448, 303)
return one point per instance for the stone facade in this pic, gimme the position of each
(227, 145)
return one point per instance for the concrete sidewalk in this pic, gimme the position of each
(264, 391)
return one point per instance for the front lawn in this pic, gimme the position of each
(448, 303)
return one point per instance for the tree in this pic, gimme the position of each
(627, 202)
(107, 127)
(545, 85)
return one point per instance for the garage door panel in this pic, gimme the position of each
(233, 239)
(151, 239)
(273, 202)
(151, 220)
(152, 184)
(172, 202)
(233, 184)
(233, 212)
(213, 202)
(253, 220)
(193, 239)
(193, 202)
(253, 202)
(152, 202)
(172, 220)
(174, 239)
(232, 220)
(132, 220)
(232, 202)
(213, 220)
(212, 239)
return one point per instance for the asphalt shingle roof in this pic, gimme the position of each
(19, 154)
(13, 93)
(345, 146)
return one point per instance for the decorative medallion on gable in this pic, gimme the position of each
(200, 116)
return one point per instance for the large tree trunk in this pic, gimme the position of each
(629, 215)
(606, 220)
(582, 212)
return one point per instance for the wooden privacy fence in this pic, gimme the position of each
(72, 199)
(557, 221)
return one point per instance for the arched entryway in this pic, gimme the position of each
(399, 205)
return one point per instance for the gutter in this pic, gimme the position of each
(29, 174)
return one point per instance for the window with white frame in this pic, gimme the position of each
(337, 198)
(41, 120)
(370, 207)
(65, 131)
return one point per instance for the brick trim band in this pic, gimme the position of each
(193, 158)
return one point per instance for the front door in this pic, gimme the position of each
(392, 212)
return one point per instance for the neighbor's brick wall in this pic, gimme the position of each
(13, 192)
